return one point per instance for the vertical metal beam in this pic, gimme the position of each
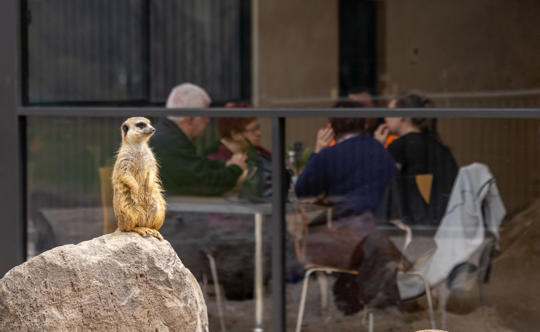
(278, 225)
(12, 223)
(255, 63)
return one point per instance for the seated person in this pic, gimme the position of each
(369, 123)
(243, 136)
(418, 150)
(352, 174)
(183, 171)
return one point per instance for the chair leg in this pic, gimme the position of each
(483, 303)
(443, 295)
(429, 299)
(323, 286)
(213, 269)
(303, 300)
(371, 322)
(205, 286)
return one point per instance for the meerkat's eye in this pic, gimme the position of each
(125, 128)
(141, 125)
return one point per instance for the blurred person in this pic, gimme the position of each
(369, 125)
(243, 136)
(351, 175)
(361, 95)
(419, 150)
(183, 171)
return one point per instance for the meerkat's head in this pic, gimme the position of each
(136, 130)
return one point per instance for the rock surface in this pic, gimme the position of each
(116, 282)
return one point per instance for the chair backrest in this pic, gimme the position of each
(411, 199)
(424, 182)
(109, 222)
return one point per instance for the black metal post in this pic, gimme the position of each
(278, 225)
(12, 223)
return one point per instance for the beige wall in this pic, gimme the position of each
(458, 46)
(298, 60)
(509, 147)
(461, 45)
(434, 46)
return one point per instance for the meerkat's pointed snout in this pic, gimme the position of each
(150, 129)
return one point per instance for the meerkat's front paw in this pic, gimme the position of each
(158, 235)
(145, 232)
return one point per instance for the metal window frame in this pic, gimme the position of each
(13, 80)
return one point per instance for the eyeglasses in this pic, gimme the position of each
(252, 130)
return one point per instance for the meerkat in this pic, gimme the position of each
(138, 201)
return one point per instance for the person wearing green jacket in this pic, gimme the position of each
(183, 171)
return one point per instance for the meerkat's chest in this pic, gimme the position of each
(141, 165)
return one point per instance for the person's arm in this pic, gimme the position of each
(313, 180)
(397, 151)
(324, 137)
(183, 172)
(381, 133)
(201, 176)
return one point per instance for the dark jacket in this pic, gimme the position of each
(259, 162)
(353, 174)
(419, 154)
(183, 171)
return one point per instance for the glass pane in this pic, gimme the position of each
(87, 51)
(453, 200)
(216, 211)
(459, 54)
(135, 51)
(203, 42)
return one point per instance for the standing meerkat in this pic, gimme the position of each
(137, 194)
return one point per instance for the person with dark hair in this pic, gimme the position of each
(369, 123)
(352, 174)
(419, 150)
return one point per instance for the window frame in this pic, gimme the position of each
(13, 145)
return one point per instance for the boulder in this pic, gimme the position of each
(118, 282)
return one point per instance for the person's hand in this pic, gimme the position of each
(238, 159)
(381, 133)
(324, 137)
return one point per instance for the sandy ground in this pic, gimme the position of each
(469, 317)
(512, 296)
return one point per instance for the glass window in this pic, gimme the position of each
(454, 201)
(203, 42)
(215, 212)
(135, 51)
(474, 54)
(87, 51)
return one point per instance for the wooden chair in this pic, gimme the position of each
(109, 222)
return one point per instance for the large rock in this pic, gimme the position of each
(118, 282)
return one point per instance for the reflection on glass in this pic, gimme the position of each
(219, 233)
(86, 51)
(448, 218)
(135, 51)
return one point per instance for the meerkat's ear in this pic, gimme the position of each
(125, 129)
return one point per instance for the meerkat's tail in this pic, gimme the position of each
(145, 231)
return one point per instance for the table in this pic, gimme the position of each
(232, 206)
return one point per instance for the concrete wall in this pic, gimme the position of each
(298, 60)
(435, 46)
(460, 45)
(476, 46)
